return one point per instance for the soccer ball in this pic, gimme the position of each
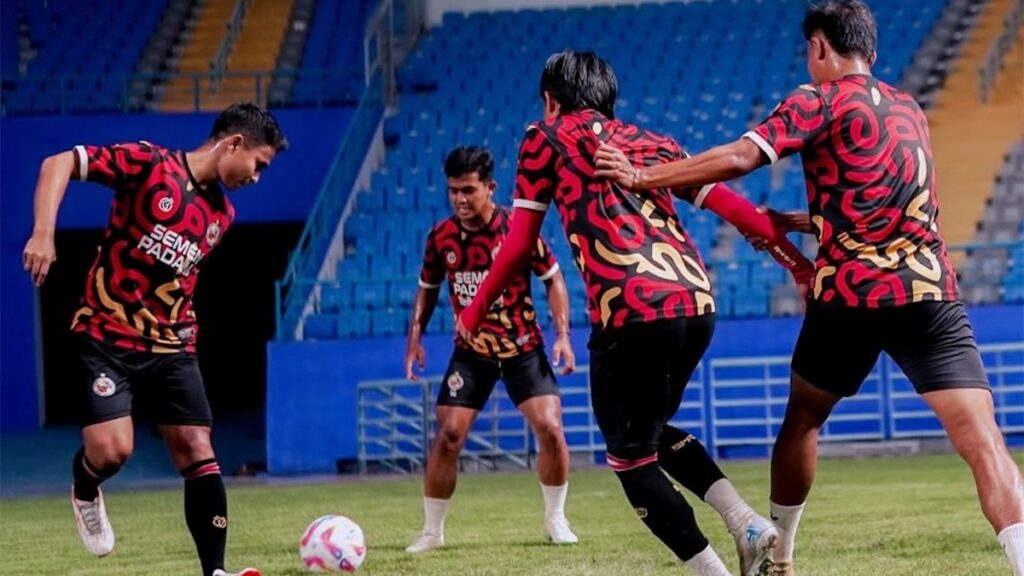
(332, 544)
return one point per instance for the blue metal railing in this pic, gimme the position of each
(293, 289)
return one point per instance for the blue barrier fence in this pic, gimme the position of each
(735, 404)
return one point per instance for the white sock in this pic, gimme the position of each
(786, 518)
(724, 498)
(707, 563)
(554, 500)
(1011, 539)
(434, 511)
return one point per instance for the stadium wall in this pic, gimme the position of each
(437, 8)
(311, 386)
(285, 194)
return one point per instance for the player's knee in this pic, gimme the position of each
(548, 432)
(449, 439)
(978, 444)
(110, 453)
(191, 445)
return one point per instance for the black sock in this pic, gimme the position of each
(663, 509)
(88, 477)
(685, 459)
(206, 512)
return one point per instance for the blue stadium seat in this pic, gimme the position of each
(452, 94)
(321, 327)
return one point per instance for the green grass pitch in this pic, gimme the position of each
(874, 517)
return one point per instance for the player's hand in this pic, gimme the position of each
(463, 333)
(38, 255)
(563, 350)
(415, 356)
(788, 221)
(612, 164)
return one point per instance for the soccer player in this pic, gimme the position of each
(650, 300)
(884, 280)
(510, 346)
(135, 330)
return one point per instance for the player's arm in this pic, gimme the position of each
(431, 276)
(715, 165)
(54, 175)
(422, 311)
(796, 122)
(547, 269)
(752, 223)
(534, 191)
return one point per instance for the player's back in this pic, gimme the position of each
(636, 259)
(871, 192)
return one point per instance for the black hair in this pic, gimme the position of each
(580, 81)
(258, 126)
(468, 159)
(848, 25)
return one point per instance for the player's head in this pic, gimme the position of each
(246, 139)
(573, 81)
(838, 31)
(470, 173)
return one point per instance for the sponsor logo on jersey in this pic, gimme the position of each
(173, 249)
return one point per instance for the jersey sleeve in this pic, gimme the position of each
(118, 166)
(432, 271)
(542, 261)
(535, 175)
(796, 122)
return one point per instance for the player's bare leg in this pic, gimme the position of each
(544, 414)
(105, 447)
(453, 424)
(968, 415)
(206, 506)
(794, 463)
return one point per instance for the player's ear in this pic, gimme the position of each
(492, 185)
(551, 106)
(234, 142)
(873, 59)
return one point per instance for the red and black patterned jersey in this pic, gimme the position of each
(162, 224)
(465, 257)
(867, 161)
(638, 263)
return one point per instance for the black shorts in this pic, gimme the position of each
(470, 378)
(638, 374)
(164, 388)
(932, 342)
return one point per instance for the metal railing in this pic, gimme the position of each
(292, 290)
(234, 26)
(396, 420)
(730, 404)
(999, 48)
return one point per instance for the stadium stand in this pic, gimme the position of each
(57, 39)
(460, 89)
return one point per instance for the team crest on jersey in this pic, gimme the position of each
(186, 333)
(450, 257)
(166, 204)
(455, 383)
(213, 233)
(103, 386)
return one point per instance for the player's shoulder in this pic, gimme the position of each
(445, 227)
